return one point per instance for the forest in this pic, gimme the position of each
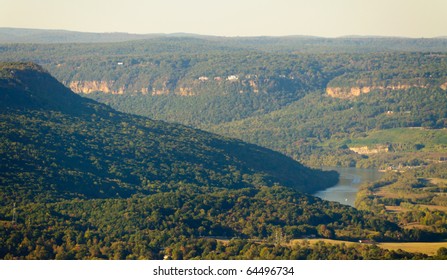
(71, 190)
(76, 172)
(298, 103)
(80, 180)
(414, 198)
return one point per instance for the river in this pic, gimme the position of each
(350, 180)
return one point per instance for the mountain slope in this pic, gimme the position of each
(207, 81)
(82, 181)
(56, 145)
(319, 129)
(307, 106)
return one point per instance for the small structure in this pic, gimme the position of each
(233, 78)
(367, 241)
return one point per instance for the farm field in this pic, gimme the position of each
(433, 139)
(428, 248)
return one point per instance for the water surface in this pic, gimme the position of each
(350, 180)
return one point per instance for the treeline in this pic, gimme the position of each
(72, 147)
(173, 222)
(266, 81)
(302, 128)
(301, 44)
(116, 155)
(419, 200)
(80, 180)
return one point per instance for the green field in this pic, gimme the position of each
(428, 248)
(430, 138)
(386, 149)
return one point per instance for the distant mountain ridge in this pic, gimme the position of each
(24, 35)
(257, 91)
(295, 42)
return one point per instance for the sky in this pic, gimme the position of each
(324, 18)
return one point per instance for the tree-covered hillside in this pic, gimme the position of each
(82, 181)
(89, 150)
(206, 81)
(319, 129)
(305, 104)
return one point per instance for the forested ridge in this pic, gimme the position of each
(203, 82)
(71, 166)
(77, 181)
(307, 105)
(264, 43)
(185, 222)
(45, 122)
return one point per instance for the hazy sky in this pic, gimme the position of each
(327, 18)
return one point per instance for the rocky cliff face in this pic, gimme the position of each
(112, 87)
(186, 87)
(351, 92)
(87, 87)
(365, 150)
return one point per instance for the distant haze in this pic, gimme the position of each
(326, 18)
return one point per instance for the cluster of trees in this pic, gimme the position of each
(279, 81)
(420, 201)
(268, 81)
(82, 181)
(278, 100)
(265, 83)
(287, 109)
(302, 128)
(79, 148)
(95, 183)
(61, 152)
(172, 222)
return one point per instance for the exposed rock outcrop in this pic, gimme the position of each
(365, 150)
(87, 87)
(350, 92)
(192, 87)
(185, 91)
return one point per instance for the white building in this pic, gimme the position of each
(233, 78)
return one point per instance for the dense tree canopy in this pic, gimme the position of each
(82, 181)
